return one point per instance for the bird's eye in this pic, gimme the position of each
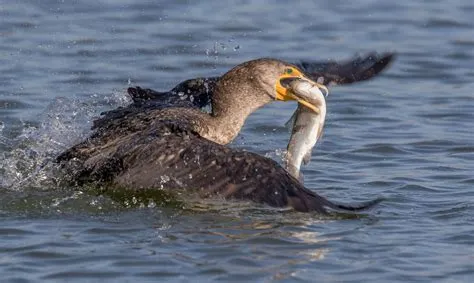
(289, 71)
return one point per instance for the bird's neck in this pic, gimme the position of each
(223, 126)
(235, 96)
(228, 116)
(226, 126)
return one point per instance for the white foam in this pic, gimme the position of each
(28, 158)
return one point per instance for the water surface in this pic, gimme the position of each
(406, 136)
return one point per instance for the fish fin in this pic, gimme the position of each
(301, 178)
(293, 170)
(307, 157)
(291, 122)
(320, 131)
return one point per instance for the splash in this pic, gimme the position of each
(278, 155)
(26, 160)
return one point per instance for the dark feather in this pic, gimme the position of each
(351, 71)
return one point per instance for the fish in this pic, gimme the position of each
(306, 126)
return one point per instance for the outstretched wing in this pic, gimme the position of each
(346, 72)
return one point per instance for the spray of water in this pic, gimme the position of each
(26, 160)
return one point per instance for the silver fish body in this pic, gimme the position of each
(306, 127)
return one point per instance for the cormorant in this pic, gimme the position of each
(183, 149)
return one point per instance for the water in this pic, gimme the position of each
(406, 136)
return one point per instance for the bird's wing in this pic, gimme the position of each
(213, 170)
(346, 72)
(193, 93)
(197, 90)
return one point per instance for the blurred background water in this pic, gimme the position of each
(406, 135)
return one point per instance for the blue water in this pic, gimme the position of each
(406, 136)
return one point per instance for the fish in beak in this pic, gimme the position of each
(285, 88)
(306, 125)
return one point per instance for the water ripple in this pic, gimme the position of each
(405, 136)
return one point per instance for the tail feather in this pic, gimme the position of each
(354, 207)
(305, 200)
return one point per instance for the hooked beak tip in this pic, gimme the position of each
(323, 87)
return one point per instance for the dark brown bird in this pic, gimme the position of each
(182, 149)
